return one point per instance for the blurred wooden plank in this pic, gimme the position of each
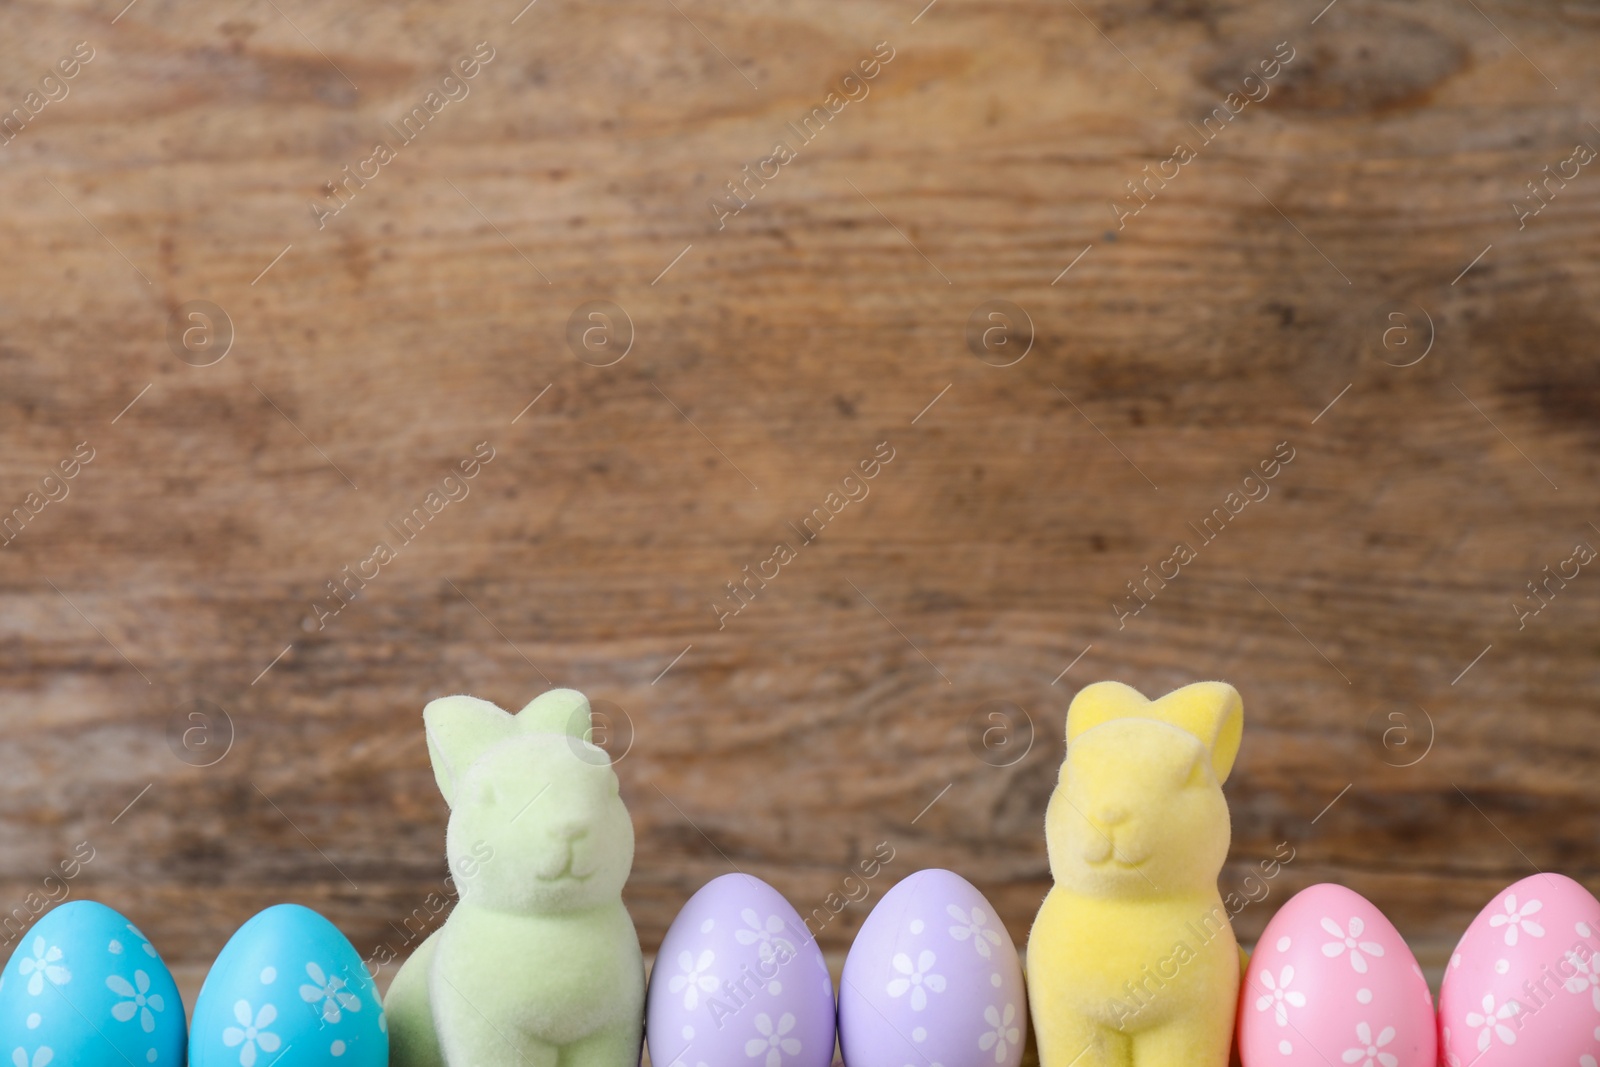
(1232, 310)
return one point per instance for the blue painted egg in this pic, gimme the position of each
(84, 986)
(288, 990)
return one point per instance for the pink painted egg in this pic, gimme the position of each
(1332, 982)
(1523, 986)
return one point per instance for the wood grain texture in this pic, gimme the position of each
(839, 707)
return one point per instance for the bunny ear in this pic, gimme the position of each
(559, 711)
(1213, 712)
(1102, 702)
(460, 729)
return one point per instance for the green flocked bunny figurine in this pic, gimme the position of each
(539, 964)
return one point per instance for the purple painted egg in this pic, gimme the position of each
(932, 978)
(739, 982)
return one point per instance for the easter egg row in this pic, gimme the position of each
(1331, 981)
(932, 977)
(85, 988)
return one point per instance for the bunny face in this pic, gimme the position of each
(537, 824)
(549, 809)
(1138, 811)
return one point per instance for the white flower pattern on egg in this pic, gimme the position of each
(1350, 940)
(251, 1034)
(1280, 998)
(1003, 1033)
(144, 942)
(1368, 1053)
(916, 978)
(41, 1056)
(44, 965)
(694, 980)
(773, 1041)
(138, 1000)
(763, 935)
(1450, 1058)
(329, 990)
(1491, 1023)
(974, 926)
(1514, 919)
(1586, 977)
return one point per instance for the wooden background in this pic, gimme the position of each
(837, 710)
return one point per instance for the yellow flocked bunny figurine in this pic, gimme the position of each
(1132, 961)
